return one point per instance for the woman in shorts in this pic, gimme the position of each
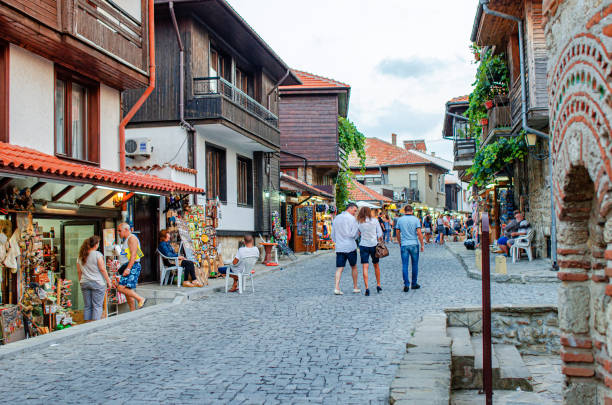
(371, 234)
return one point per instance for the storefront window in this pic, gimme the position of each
(245, 181)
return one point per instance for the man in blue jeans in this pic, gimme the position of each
(410, 237)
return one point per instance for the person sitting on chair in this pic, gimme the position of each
(237, 266)
(166, 249)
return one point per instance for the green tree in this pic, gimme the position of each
(350, 140)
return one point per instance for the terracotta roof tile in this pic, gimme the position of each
(359, 192)
(459, 99)
(313, 81)
(34, 163)
(159, 167)
(381, 153)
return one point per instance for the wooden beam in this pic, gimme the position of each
(127, 197)
(62, 193)
(105, 199)
(37, 186)
(86, 194)
(5, 181)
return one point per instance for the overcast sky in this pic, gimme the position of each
(403, 58)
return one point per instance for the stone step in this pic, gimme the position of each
(462, 351)
(513, 372)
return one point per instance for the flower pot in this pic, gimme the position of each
(477, 56)
(484, 121)
(489, 104)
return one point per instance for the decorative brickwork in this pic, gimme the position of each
(580, 102)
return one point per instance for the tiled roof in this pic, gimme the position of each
(381, 153)
(415, 144)
(312, 81)
(359, 192)
(34, 163)
(459, 99)
(159, 167)
(302, 186)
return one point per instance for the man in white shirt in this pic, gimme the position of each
(237, 266)
(344, 233)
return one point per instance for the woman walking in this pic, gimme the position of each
(387, 230)
(371, 233)
(93, 278)
(427, 228)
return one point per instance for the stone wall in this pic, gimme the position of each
(533, 330)
(579, 41)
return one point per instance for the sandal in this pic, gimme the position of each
(187, 284)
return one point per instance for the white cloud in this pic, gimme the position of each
(350, 40)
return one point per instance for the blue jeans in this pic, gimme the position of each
(410, 253)
(387, 235)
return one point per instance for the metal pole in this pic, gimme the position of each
(486, 312)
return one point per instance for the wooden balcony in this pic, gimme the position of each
(216, 98)
(537, 117)
(464, 151)
(93, 37)
(500, 123)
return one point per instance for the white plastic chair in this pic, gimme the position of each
(169, 271)
(248, 264)
(524, 243)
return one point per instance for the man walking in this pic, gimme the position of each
(130, 270)
(344, 232)
(410, 237)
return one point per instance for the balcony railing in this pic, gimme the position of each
(500, 122)
(515, 103)
(411, 195)
(212, 86)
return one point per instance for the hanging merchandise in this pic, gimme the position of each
(280, 236)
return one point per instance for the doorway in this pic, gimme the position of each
(146, 227)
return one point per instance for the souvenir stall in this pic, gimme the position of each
(324, 226)
(193, 231)
(497, 199)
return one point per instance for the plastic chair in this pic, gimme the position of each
(248, 264)
(524, 243)
(169, 271)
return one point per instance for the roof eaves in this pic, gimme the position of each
(476, 25)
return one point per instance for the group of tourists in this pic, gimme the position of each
(361, 227)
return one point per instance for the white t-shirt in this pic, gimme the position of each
(370, 232)
(242, 254)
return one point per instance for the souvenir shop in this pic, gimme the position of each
(193, 232)
(497, 199)
(43, 222)
(307, 215)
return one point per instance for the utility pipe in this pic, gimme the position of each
(191, 131)
(276, 86)
(147, 92)
(528, 129)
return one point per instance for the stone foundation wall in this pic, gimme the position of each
(533, 330)
(579, 41)
(229, 246)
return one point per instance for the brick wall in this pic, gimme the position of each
(579, 40)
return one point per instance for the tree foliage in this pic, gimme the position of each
(496, 157)
(492, 79)
(350, 140)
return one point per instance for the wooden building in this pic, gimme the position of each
(530, 178)
(63, 66)
(212, 120)
(309, 128)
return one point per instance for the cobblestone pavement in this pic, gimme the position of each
(293, 341)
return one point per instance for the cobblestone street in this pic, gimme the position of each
(293, 341)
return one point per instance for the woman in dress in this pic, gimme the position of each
(371, 234)
(93, 278)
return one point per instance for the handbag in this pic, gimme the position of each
(381, 250)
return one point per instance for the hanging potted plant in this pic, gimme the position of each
(489, 104)
(484, 121)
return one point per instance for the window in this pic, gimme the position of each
(414, 181)
(245, 181)
(219, 65)
(441, 183)
(215, 173)
(244, 82)
(77, 129)
(430, 181)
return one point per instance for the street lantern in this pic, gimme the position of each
(531, 140)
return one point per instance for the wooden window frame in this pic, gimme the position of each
(92, 152)
(216, 187)
(245, 183)
(430, 181)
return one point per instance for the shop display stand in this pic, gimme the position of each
(280, 237)
(112, 296)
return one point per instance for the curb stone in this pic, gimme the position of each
(57, 337)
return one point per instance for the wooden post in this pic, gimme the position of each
(486, 312)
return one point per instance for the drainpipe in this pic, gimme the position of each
(528, 129)
(191, 131)
(276, 86)
(146, 93)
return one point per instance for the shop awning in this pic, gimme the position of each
(293, 184)
(18, 160)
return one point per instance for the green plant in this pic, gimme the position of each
(492, 78)
(349, 139)
(496, 157)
